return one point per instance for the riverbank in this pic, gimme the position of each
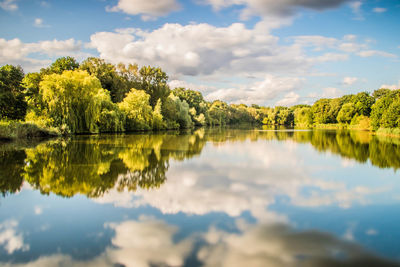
(12, 130)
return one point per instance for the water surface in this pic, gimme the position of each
(209, 197)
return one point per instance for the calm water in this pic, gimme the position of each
(218, 197)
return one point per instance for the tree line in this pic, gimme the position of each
(95, 96)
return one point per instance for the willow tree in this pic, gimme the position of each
(71, 100)
(138, 112)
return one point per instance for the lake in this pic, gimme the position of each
(207, 197)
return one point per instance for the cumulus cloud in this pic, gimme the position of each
(371, 53)
(391, 86)
(9, 5)
(149, 9)
(289, 100)
(259, 92)
(274, 8)
(379, 10)
(10, 239)
(201, 49)
(349, 80)
(16, 52)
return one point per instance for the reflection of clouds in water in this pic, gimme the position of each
(150, 242)
(143, 243)
(277, 245)
(10, 239)
(238, 177)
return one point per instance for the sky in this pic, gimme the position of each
(263, 52)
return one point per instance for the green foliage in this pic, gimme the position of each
(71, 100)
(108, 77)
(321, 110)
(346, 113)
(196, 102)
(60, 65)
(12, 102)
(219, 113)
(181, 112)
(363, 103)
(303, 116)
(379, 113)
(14, 129)
(380, 93)
(138, 112)
(154, 82)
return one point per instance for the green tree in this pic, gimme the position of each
(154, 82)
(320, 110)
(12, 102)
(363, 103)
(60, 65)
(108, 76)
(138, 112)
(346, 113)
(71, 100)
(303, 116)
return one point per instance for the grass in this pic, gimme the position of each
(10, 130)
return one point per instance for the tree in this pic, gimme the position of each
(108, 76)
(346, 113)
(154, 82)
(12, 102)
(71, 99)
(380, 93)
(363, 103)
(321, 109)
(391, 117)
(303, 116)
(380, 107)
(60, 65)
(139, 114)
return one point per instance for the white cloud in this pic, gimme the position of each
(331, 92)
(272, 8)
(16, 52)
(371, 231)
(9, 5)
(149, 9)
(349, 80)
(371, 53)
(356, 8)
(259, 92)
(203, 49)
(391, 86)
(9, 237)
(379, 10)
(289, 100)
(38, 22)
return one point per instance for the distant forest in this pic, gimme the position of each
(95, 96)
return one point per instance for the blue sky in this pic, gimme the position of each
(240, 51)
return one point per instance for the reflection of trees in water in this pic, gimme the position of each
(93, 165)
(11, 169)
